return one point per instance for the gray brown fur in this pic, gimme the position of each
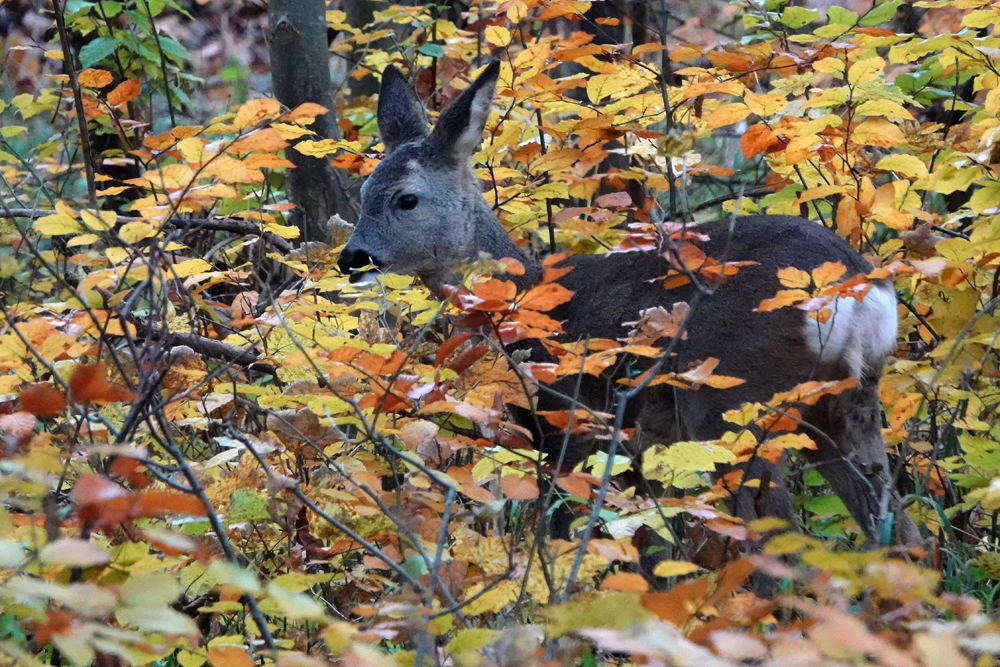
(451, 224)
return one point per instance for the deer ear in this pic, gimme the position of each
(400, 115)
(459, 130)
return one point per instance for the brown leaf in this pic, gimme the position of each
(43, 400)
(90, 384)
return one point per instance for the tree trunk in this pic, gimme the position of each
(360, 13)
(300, 72)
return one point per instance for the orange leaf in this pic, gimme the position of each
(229, 656)
(679, 604)
(306, 110)
(756, 139)
(94, 78)
(545, 297)
(124, 92)
(130, 469)
(495, 290)
(574, 485)
(514, 267)
(467, 485)
(625, 581)
(156, 502)
(519, 487)
(733, 62)
(727, 114)
(785, 297)
(43, 400)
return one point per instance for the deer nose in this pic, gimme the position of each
(352, 258)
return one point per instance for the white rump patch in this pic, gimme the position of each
(859, 334)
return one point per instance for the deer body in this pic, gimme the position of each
(423, 213)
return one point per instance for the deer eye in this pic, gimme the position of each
(407, 202)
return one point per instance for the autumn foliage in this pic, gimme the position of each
(216, 450)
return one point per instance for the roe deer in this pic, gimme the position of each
(423, 213)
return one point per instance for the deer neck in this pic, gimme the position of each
(491, 238)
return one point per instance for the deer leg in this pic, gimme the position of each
(853, 460)
(767, 497)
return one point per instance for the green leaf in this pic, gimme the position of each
(431, 50)
(248, 505)
(74, 6)
(796, 17)
(174, 50)
(813, 478)
(109, 8)
(840, 16)
(826, 505)
(97, 50)
(880, 14)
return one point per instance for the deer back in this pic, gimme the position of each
(422, 212)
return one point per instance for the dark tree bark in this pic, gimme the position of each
(300, 72)
(359, 14)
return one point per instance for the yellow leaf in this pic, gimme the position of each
(189, 267)
(682, 53)
(517, 11)
(949, 178)
(827, 273)
(284, 231)
(318, 148)
(256, 111)
(674, 568)
(680, 465)
(472, 639)
(765, 105)
(865, 70)
(794, 278)
(99, 221)
(886, 108)
(819, 192)
(992, 102)
(767, 524)
(792, 441)
(54, 55)
(133, 232)
(190, 659)
(727, 114)
(53, 225)
(832, 66)
(289, 132)
(786, 297)
(878, 132)
(193, 149)
(907, 165)
(602, 85)
(497, 35)
(82, 239)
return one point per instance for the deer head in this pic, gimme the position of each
(422, 209)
